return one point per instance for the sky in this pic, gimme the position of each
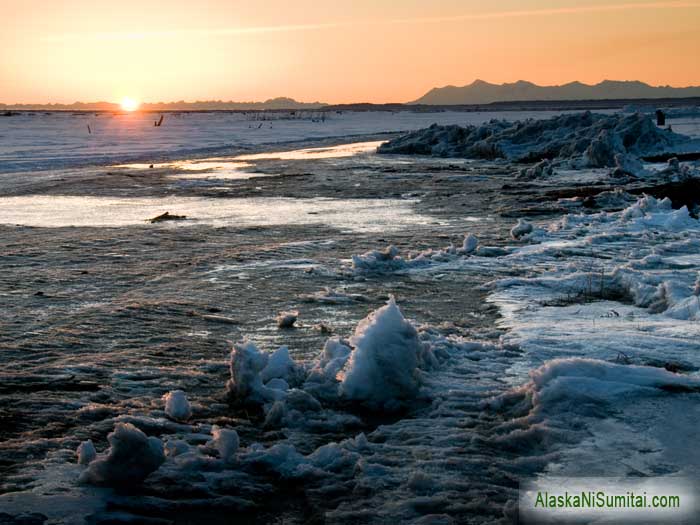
(333, 51)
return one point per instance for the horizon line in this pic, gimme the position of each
(318, 102)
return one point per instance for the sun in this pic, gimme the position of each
(129, 104)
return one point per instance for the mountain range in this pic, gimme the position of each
(205, 105)
(480, 92)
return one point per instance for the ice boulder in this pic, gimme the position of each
(131, 457)
(470, 243)
(86, 452)
(382, 371)
(226, 441)
(521, 229)
(279, 366)
(246, 385)
(322, 379)
(177, 406)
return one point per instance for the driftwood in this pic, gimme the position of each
(159, 123)
(167, 216)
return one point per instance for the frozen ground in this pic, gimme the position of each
(418, 384)
(38, 141)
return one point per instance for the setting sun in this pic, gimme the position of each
(129, 104)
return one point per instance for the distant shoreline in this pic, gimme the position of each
(529, 105)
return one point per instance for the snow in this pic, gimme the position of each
(177, 406)
(131, 457)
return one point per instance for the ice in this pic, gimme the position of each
(226, 442)
(177, 406)
(37, 141)
(389, 260)
(86, 452)
(330, 296)
(246, 385)
(470, 243)
(378, 260)
(131, 457)
(322, 378)
(539, 170)
(279, 366)
(562, 384)
(382, 371)
(590, 139)
(521, 229)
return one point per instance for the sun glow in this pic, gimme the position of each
(129, 104)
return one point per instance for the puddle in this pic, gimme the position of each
(213, 168)
(222, 168)
(368, 215)
(331, 152)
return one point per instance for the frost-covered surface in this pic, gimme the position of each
(39, 141)
(589, 139)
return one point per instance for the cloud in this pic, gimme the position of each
(232, 31)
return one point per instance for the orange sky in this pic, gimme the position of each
(333, 51)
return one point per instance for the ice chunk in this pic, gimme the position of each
(470, 243)
(521, 229)
(378, 260)
(176, 447)
(277, 384)
(177, 406)
(131, 457)
(226, 441)
(86, 452)
(246, 385)
(383, 367)
(537, 171)
(279, 365)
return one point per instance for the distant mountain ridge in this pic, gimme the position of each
(481, 92)
(206, 105)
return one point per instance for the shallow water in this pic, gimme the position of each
(368, 215)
